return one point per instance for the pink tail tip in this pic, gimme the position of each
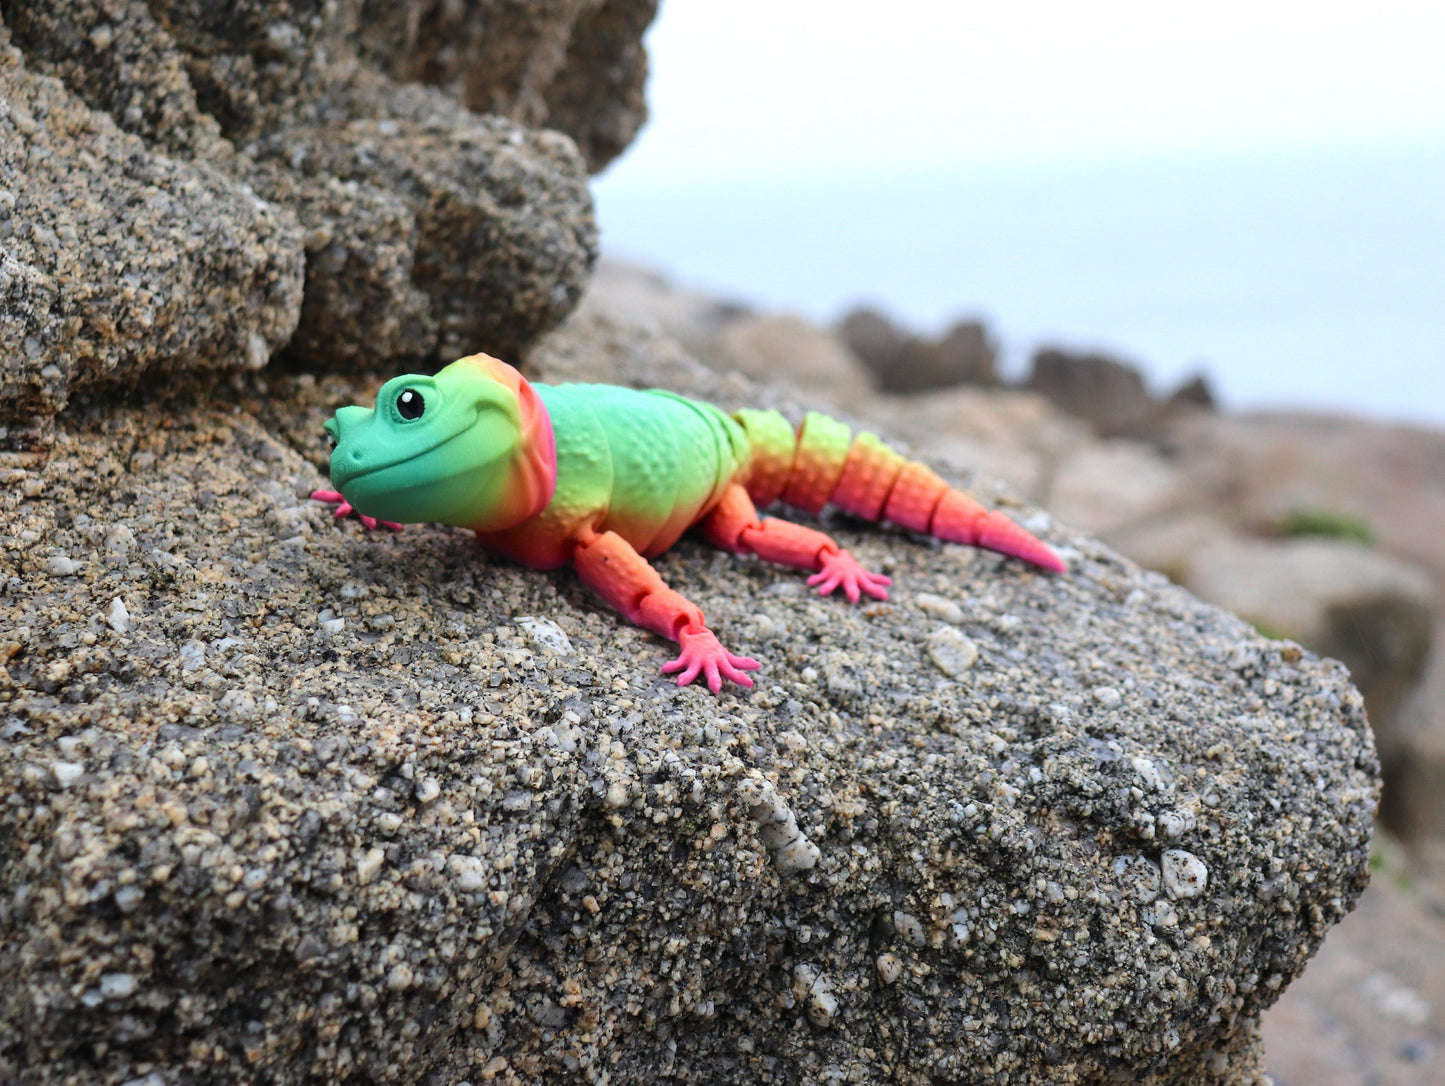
(997, 533)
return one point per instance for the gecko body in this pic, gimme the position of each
(601, 478)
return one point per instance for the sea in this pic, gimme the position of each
(1300, 282)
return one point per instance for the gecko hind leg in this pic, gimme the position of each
(734, 525)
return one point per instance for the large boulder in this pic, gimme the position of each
(117, 262)
(286, 800)
(282, 140)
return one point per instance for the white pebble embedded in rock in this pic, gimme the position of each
(951, 651)
(1184, 873)
(61, 566)
(66, 773)
(117, 617)
(939, 607)
(790, 847)
(545, 635)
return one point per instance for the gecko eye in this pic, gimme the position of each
(330, 439)
(409, 405)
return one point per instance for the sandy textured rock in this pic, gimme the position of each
(180, 72)
(116, 262)
(425, 230)
(574, 65)
(504, 234)
(325, 808)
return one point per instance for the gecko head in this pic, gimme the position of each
(447, 448)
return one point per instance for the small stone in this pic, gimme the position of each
(67, 773)
(428, 790)
(128, 898)
(369, 864)
(61, 566)
(117, 985)
(909, 928)
(798, 855)
(1107, 696)
(1184, 874)
(939, 607)
(951, 651)
(399, 978)
(545, 635)
(117, 617)
(890, 968)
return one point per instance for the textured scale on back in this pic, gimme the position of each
(601, 477)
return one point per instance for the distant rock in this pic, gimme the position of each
(1107, 392)
(1196, 391)
(906, 363)
(1367, 609)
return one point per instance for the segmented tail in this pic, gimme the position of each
(819, 465)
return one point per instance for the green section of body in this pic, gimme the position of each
(644, 464)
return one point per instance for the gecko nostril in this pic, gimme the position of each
(356, 455)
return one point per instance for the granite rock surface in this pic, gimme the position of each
(115, 260)
(306, 187)
(285, 799)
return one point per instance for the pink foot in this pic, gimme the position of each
(842, 569)
(702, 653)
(344, 509)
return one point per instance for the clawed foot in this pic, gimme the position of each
(344, 509)
(703, 654)
(841, 569)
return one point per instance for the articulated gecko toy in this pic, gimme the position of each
(602, 478)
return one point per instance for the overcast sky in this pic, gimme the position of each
(788, 89)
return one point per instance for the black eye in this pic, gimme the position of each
(409, 405)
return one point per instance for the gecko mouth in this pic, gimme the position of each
(350, 463)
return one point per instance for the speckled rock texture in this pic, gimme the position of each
(424, 229)
(574, 65)
(115, 260)
(284, 801)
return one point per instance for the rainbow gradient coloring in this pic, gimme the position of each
(601, 478)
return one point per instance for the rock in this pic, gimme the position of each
(1195, 392)
(419, 849)
(902, 362)
(1369, 1005)
(179, 72)
(1112, 485)
(578, 67)
(880, 344)
(964, 355)
(117, 263)
(1107, 392)
(638, 296)
(425, 230)
(499, 218)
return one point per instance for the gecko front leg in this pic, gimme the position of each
(344, 509)
(610, 566)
